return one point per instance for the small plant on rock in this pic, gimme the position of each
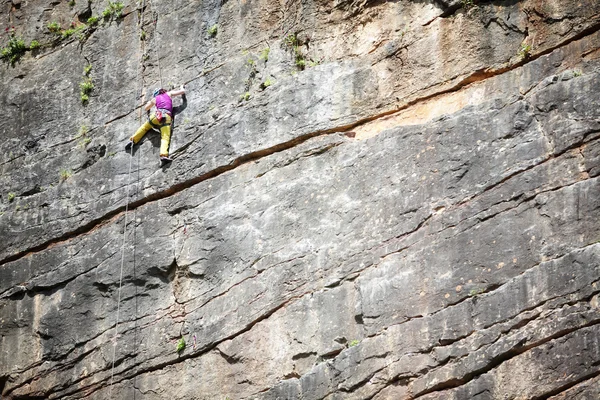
(54, 27)
(264, 54)
(86, 88)
(87, 85)
(83, 135)
(525, 51)
(292, 43)
(14, 50)
(475, 292)
(467, 4)
(245, 96)
(212, 31)
(353, 343)
(113, 10)
(34, 45)
(91, 21)
(266, 83)
(65, 174)
(11, 197)
(180, 345)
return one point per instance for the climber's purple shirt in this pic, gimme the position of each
(164, 102)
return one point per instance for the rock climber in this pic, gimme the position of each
(161, 119)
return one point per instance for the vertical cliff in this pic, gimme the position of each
(369, 199)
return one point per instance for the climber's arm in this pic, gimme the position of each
(149, 104)
(179, 92)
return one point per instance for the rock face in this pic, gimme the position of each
(368, 200)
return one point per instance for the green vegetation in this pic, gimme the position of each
(83, 136)
(181, 345)
(86, 88)
(524, 51)
(212, 31)
(14, 50)
(143, 35)
(475, 292)
(468, 4)
(65, 174)
(291, 42)
(266, 83)
(54, 27)
(113, 10)
(72, 3)
(577, 72)
(84, 142)
(353, 343)
(83, 131)
(264, 54)
(92, 21)
(11, 196)
(87, 85)
(245, 96)
(34, 45)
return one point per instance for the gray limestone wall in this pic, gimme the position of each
(368, 200)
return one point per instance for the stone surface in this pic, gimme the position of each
(412, 215)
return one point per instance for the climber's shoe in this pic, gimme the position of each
(164, 160)
(129, 145)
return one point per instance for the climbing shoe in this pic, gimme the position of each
(164, 160)
(129, 145)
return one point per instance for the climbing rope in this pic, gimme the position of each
(157, 47)
(115, 340)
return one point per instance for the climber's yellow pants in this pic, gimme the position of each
(165, 133)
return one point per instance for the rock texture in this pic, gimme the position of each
(369, 200)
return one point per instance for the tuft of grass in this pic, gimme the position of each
(113, 10)
(212, 31)
(34, 45)
(87, 69)
(524, 51)
(14, 50)
(11, 197)
(84, 142)
(86, 86)
(245, 96)
(467, 4)
(93, 20)
(72, 3)
(65, 174)
(83, 131)
(268, 82)
(353, 343)
(264, 54)
(291, 42)
(181, 345)
(54, 27)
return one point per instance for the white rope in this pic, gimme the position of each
(115, 340)
(156, 48)
(112, 372)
